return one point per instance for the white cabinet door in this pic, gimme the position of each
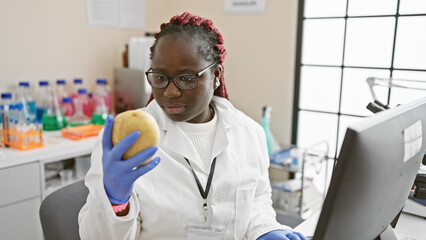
(21, 220)
(19, 183)
(20, 199)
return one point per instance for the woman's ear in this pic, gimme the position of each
(218, 72)
(217, 75)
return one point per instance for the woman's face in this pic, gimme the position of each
(174, 55)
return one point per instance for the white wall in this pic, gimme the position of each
(50, 39)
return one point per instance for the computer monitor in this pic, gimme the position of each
(378, 162)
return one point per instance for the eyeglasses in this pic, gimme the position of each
(182, 81)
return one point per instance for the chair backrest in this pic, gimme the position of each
(59, 211)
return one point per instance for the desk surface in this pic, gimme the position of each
(409, 227)
(55, 148)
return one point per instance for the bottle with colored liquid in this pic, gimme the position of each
(61, 93)
(48, 109)
(265, 123)
(67, 108)
(28, 104)
(6, 101)
(77, 84)
(101, 102)
(31, 102)
(61, 90)
(80, 117)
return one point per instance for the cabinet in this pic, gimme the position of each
(21, 198)
(23, 182)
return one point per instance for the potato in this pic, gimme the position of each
(136, 120)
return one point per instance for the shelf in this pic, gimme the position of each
(293, 188)
(56, 183)
(283, 168)
(56, 148)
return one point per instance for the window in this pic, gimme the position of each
(340, 44)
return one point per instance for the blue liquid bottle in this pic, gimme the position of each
(48, 109)
(265, 123)
(24, 96)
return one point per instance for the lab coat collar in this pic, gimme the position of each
(176, 140)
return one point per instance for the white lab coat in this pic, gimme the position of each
(166, 199)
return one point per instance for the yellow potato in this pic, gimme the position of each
(136, 120)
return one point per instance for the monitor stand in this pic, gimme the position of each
(388, 234)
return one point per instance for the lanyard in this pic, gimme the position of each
(204, 193)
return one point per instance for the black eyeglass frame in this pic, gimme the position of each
(169, 79)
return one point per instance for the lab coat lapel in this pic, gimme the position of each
(177, 141)
(221, 140)
(228, 119)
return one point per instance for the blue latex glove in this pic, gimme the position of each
(120, 175)
(282, 235)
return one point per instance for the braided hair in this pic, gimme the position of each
(209, 39)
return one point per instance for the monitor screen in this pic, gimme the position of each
(378, 162)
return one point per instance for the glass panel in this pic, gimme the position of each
(325, 8)
(372, 7)
(369, 42)
(345, 121)
(355, 91)
(412, 6)
(323, 41)
(401, 95)
(316, 127)
(410, 49)
(320, 88)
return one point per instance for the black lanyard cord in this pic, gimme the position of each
(203, 193)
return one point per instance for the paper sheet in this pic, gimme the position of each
(102, 13)
(132, 14)
(244, 6)
(413, 140)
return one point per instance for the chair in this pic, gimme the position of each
(59, 212)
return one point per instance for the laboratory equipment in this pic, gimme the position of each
(61, 91)
(101, 102)
(77, 84)
(131, 90)
(80, 117)
(6, 101)
(48, 109)
(265, 123)
(414, 205)
(24, 96)
(376, 167)
(67, 107)
(377, 105)
(298, 180)
(21, 132)
(30, 100)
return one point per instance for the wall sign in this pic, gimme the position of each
(244, 6)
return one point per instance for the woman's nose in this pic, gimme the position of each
(172, 90)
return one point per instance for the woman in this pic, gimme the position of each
(212, 182)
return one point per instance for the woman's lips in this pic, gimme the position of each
(174, 110)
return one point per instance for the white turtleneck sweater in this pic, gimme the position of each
(202, 137)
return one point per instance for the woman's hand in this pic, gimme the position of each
(282, 235)
(119, 175)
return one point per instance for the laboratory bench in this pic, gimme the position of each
(408, 227)
(27, 177)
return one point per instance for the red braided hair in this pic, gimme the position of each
(201, 26)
